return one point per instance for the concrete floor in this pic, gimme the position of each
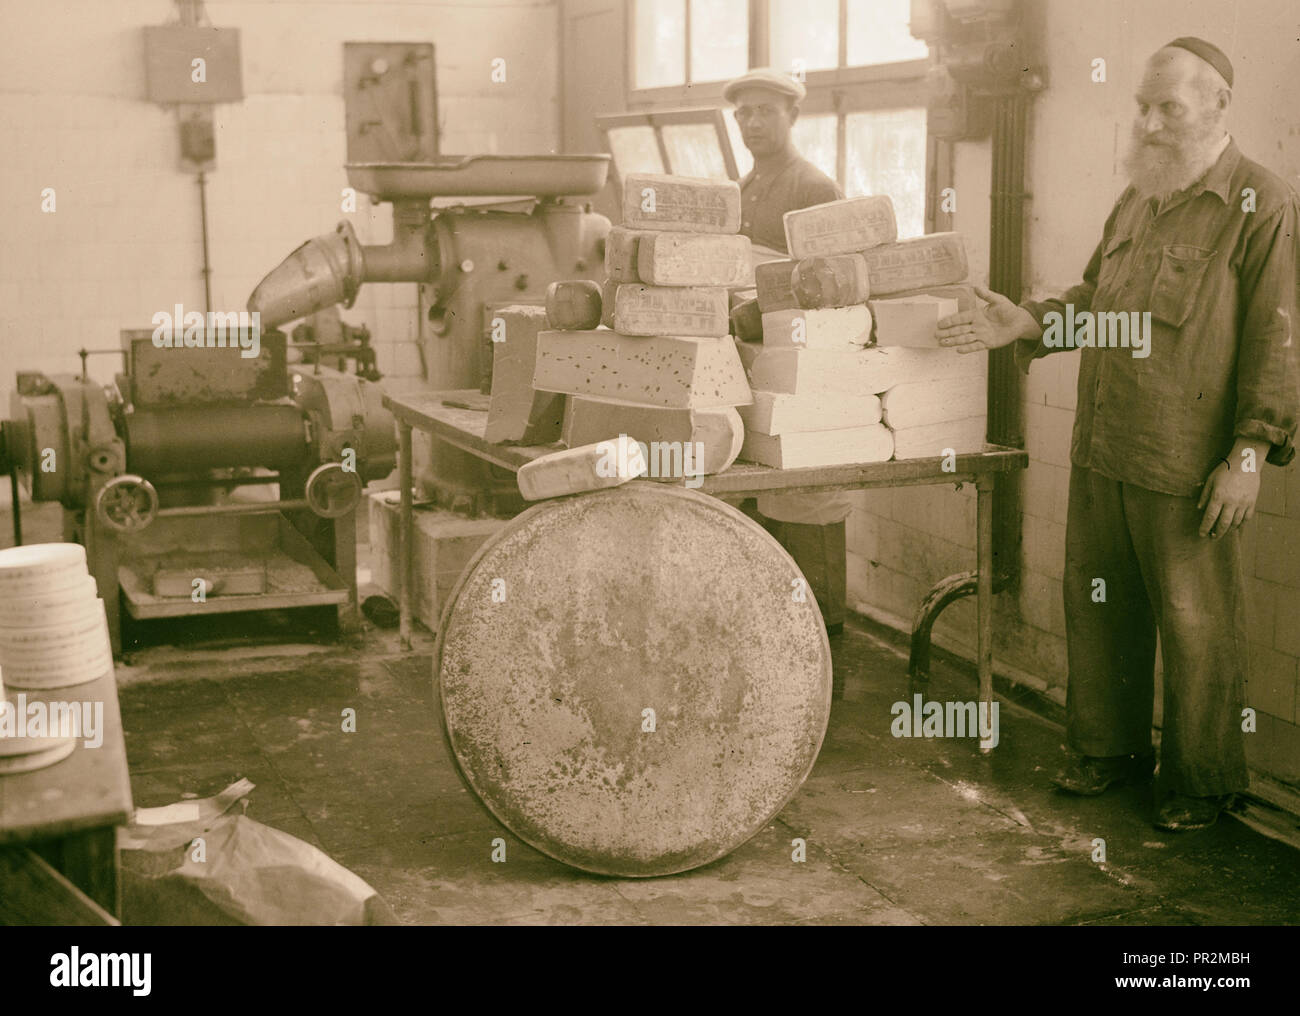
(898, 831)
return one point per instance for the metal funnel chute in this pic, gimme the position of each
(330, 269)
(325, 270)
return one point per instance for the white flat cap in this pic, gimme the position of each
(765, 77)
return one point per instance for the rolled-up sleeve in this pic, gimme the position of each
(1267, 395)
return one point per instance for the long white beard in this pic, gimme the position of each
(1157, 171)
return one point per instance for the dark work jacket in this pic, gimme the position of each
(1216, 267)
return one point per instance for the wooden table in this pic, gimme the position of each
(58, 825)
(463, 423)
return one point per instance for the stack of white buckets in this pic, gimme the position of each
(53, 634)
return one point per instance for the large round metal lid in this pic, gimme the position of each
(634, 681)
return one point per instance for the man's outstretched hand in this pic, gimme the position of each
(999, 324)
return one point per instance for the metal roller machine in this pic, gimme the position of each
(147, 470)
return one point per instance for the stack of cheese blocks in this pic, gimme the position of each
(53, 634)
(648, 355)
(850, 368)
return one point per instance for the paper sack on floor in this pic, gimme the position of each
(205, 862)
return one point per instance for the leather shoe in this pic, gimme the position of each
(1181, 813)
(1088, 775)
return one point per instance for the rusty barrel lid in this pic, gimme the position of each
(633, 681)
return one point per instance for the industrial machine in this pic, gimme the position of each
(476, 233)
(156, 471)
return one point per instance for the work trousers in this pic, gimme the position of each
(1134, 564)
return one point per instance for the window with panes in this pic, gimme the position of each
(862, 123)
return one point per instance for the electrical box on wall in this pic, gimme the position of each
(188, 64)
(198, 139)
(390, 101)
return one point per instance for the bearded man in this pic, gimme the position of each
(1167, 447)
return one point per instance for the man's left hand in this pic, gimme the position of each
(1228, 497)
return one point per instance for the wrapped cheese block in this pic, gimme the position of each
(840, 227)
(923, 261)
(669, 310)
(621, 245)
(680, 203)
(694, 259)
(774, 281)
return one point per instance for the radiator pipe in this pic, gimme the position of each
(1005, 403)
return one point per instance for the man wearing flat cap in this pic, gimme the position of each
(809, 526)
(1168, 446)
(767, 105)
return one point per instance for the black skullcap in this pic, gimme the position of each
(1208, 52)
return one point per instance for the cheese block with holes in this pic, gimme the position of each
(679, 372)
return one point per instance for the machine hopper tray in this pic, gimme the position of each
(536, 175)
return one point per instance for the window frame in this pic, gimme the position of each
(660, 118)
(840, 91)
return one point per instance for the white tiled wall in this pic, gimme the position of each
(125, 239)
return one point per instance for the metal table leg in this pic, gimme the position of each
(984, 590)
(404, 577)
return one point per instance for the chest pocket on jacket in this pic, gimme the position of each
(1178, 281)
